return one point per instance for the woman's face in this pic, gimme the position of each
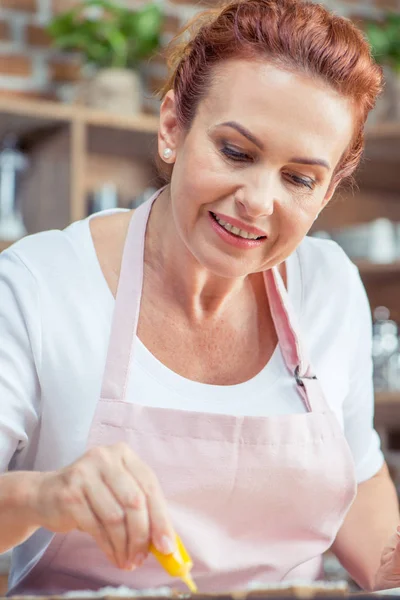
(254, 170)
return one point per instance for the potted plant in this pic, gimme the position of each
(112, 40)
(384, 38)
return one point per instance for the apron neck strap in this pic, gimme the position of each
(290, 340)
(127, 306)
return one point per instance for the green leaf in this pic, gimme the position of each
(119, 39)
(393, 19)
(61, 25)
(379, 40)
(149, 21)
(99, 55)
(129, 24)
(72, 41)
(118, 47)
(385, 39)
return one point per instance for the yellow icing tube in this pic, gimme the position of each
(179, 564)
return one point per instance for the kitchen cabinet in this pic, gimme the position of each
(72, 151)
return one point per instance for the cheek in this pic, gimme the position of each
(192, 179)
(301, 211)
(205, 172)
(294, 226)
(292, 232)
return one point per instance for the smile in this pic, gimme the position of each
(234, 235)
(242, 233)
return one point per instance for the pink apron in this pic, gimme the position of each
(253, 498)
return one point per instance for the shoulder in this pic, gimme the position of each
(325, 259)
(335, 318)
(47, 251)
(331, 286)
(57, 255)
(325, 269)
(108, 235)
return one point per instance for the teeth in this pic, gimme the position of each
(240, 232)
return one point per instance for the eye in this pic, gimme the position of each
(300, 181)
(235, 155)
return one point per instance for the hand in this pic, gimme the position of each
(388, 575)
(112, 495)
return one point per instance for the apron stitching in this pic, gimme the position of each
(314, 441)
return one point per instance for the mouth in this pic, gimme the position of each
(243, 234)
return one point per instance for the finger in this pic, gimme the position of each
(395, 557)
(110, 514)
(87, 522)
(138, 528)
(161, 530)
(130, 496)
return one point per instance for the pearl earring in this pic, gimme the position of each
(167, 153)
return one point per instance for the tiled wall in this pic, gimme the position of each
(28, 64)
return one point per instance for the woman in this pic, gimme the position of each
(217, 417)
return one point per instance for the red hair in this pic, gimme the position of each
(297, 36)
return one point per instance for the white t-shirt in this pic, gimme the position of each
(55, 319)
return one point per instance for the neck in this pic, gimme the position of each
(199, 293)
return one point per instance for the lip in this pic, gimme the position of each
(234, 240)
(240, 225)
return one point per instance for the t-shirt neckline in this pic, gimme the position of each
(146, 361)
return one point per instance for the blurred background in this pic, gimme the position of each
(78, 125)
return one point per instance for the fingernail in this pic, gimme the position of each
(139, 559)
(167, 546)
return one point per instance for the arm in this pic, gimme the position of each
(369, 524)
(374, 516)
(19, 394)
(108, 493)
(17, 521)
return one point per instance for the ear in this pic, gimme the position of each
(168, 132)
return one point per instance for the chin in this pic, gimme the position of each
(221, 265)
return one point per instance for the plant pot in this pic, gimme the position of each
(115, 90)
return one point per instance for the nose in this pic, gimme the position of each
(257, 199)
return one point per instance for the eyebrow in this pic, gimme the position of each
(252, 138)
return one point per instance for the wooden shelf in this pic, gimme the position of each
(387, 397)
(140, 123)
(387, 410)
(369, 269)
(72, 151)
(23, 116)
(383, 130)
